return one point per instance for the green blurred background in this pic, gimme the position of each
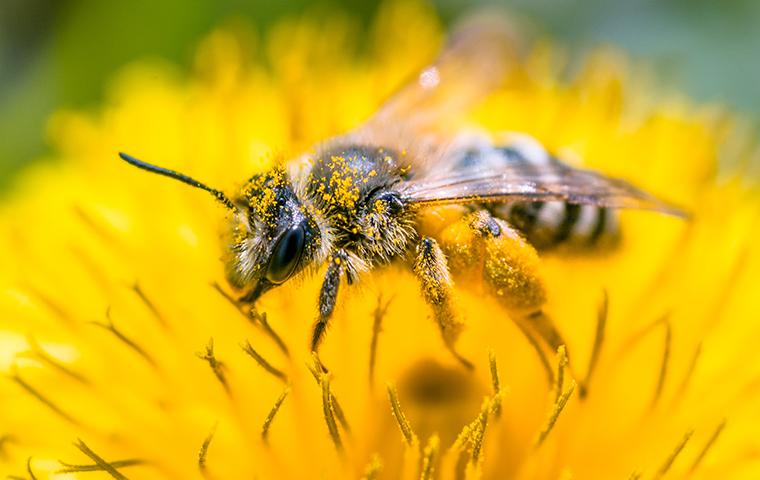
(61, 53)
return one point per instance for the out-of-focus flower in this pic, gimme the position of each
(122, 354)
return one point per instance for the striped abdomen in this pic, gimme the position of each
(545, 224)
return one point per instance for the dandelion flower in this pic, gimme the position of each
(123, 355)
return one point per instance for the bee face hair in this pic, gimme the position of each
(274, 236)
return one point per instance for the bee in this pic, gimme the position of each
(359, 201)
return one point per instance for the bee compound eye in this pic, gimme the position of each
(287, 252)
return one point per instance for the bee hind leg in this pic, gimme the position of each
(510, 269)
(432, 271)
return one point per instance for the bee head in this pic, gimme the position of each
(273, 236)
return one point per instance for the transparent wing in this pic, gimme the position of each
(526, 182)
(473, 62)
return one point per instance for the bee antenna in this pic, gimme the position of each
(218, 194)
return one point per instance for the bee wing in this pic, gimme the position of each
(525, 182)
(473, 62)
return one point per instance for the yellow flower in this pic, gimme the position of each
(122, 354)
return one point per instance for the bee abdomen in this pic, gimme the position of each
(552, 224)
(545, 224)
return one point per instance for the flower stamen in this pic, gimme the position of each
(259, 319)
(29, 470)
(690, 369)
(216, 366)
(88, 219)
(428, 457)
(90, 265)
(272, 413)
(107, 467)
(36, 351)
(556, 410)
(497, 394)
(5, 440)
(540, 351)
(73, 468)
(478, 433)
(601, 326)
(51, 304)
(378, 314)
(203, 452)
(149, 304)
(640, 334)
(664, 365)
(317, 372)
(672, 457)
(710, 442)
(329, 413)
(124, 339)
(39, 396)
(248, 348)
(406, 429)
(561, 364)
(373, 469)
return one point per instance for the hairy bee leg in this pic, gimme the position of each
(509, 265)
(328, 295)
(431, 269)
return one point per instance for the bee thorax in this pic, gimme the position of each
(351, 189)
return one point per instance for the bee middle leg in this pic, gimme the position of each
(431, 269)
(510, 269)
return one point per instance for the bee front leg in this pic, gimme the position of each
(328, 295)
(432, 270)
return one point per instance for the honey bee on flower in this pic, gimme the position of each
(371, 197)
